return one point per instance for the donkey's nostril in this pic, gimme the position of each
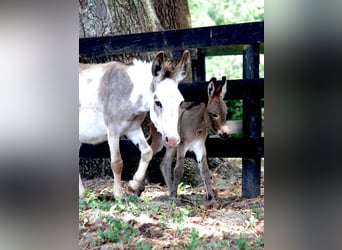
(223, 135)
(166, 139)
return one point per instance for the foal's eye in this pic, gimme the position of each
(212, 116)
(158, 103)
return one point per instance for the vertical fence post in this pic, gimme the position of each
(198, 67)
(251, 167)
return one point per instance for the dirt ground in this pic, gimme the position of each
(230, 223)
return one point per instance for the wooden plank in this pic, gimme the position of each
(221, 35)
(251, 166)
(232, 147)
(236, 89)
(228, 50)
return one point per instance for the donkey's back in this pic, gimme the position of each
(107, 96)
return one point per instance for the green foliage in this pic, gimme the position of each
(143, 245)
(118, 230)
(180, 214)
(242, 243)
(183, 187)
(260, 242)
(258, 213)
(91, 201)
(130, 203)
(251, 221)
(220, 244)
(234, 109)
(194, 240)
(217, 12)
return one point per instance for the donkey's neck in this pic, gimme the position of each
(197, 112)
(141, 77)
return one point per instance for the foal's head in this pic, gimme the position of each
(216, 108)
(164, 111)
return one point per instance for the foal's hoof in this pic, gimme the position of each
(135, 187)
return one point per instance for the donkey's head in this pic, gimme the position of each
(164, 109)
(216, 108)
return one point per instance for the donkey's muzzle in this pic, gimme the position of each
(171, 142)
(223, 135)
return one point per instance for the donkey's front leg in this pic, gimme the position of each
(137, 137)
(201, 157)
(116, 161)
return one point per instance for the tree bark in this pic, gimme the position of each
(173, 14)
(121, 17)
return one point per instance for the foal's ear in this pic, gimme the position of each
(211, 87)
(183, 67)
(223, 87)
(158, 61)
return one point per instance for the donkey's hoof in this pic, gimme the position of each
(173, 195)
(210, 197)
(135, 187)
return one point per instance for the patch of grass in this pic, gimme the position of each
(258, 213)
(242, 243)
(251, 221)
(259, 242)
(143, 245)
(194, 240)
(131, 204)
(117, 231)
(91, 201)
(183, 188)
(220, 244)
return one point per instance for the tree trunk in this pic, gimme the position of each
(120, 17)
(173, 14)
(117, 17)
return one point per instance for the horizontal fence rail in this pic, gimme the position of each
(236, 89)
(216, 147)
(213, 36)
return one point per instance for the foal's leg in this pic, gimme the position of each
(137, 137)
(166, 167)
(178, 171)
(80, 187)
(201, 157)
(80, 183)
(116, 161)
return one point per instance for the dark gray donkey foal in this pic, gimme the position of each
(194, 122)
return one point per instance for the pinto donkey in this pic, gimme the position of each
(195, 120)
(113, 101)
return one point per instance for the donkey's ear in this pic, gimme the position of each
(211, 87)
(158, 61)
(224, 87)
(183, 67)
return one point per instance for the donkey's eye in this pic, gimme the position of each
(158, 103)
(212, 116)
(180, 105)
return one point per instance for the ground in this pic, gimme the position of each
(153, 221)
